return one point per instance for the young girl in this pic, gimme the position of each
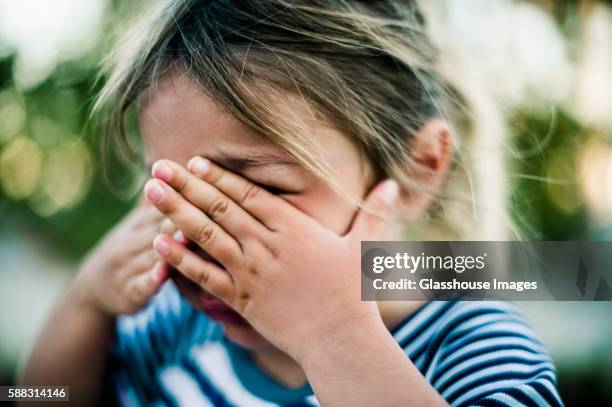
(280, 135)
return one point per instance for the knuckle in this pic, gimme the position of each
(219, 207)
(118, 262)
(253, 272)
(205, 234)
(134, 294)
(175, 257)
(167, 227)
(244, 299)
(272, 251)
(169, 205)
(182, 182)
(249, 192)
(245, 229)
(221, 290)
(150, 258)
(224, 251)
(117, 282)
(216, 174)
(203, 278)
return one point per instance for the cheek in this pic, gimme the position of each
(328, 208)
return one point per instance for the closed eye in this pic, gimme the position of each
(275, 190)
(271, 189)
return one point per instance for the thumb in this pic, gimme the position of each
(371, 220)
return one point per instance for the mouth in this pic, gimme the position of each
(202, 300)
(218, 310)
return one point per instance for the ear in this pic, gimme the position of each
(430, 156)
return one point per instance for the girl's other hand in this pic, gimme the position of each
(293, 279)
(124, 272)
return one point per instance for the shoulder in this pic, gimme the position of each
(444, 321)
(479, 351)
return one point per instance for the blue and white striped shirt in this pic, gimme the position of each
(473, 353)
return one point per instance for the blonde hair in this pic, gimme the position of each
(366, 68)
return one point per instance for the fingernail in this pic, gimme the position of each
(161, 246)
(389, 191)
(199, 166)
(162, 171)
(154, 191)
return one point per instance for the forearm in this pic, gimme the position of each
(364, 366)
(72, 348)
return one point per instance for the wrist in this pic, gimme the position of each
(357, 331)
(82, 296)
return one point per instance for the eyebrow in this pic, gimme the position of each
(244, 162)
(238, 163)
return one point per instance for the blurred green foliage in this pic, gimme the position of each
(64, 100)
(546, 201)
(57, 112)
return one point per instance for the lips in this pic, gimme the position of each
(211, 305)
(219, 311)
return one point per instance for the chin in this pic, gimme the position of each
(235, 328)
(245, 336)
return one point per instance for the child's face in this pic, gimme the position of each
(178, 121)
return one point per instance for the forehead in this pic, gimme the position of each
(178, 120)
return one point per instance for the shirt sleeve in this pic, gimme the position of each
(488, 355)
(155, 337)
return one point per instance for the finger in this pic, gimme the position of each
(194, 223)
(218, 206)
(142, 286)
(266, 207)
(166, 227)
(371, 221)
(142, 261)
(146, 215)
(207, 275)
(139, 241)
(180, 237)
